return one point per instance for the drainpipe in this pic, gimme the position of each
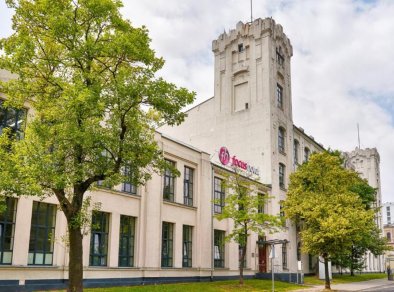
(212, 230)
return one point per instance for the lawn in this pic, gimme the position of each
(339, 279)
(220, 286)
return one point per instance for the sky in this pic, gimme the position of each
(342, 67)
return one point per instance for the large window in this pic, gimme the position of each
(218, 245)
(13, 119)
(281, 140)
(188, 186)
(42, 234)
(284, 255)
(127, 185)
(169, 183)
(167, 245)
(279, 96)
(99, 239)
(7, 229)
(261, 203)
(187, 250)
(296, 146)
(219, 195)
(282, 172)
(126, 241)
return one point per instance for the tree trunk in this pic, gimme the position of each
(352, 256)
(241, 265)
(326, 273)
(75, 272)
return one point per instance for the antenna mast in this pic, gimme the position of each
(251, 11)
(358, 134)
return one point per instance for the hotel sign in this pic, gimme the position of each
(225, 158)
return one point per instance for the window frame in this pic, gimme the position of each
(102, 231)
(219, 195)
(219, 242)
(127, 186)
(167, 245)
(282, 176)
(188, 186)
(284, 256)
(279, 96)
(36, 230)
(17, 130)
(126, 259)
(307, 153)
(169, 183)
(282, 140)
(7, 222)
(187, 246)
(296, 148)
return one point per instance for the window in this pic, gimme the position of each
(126, 241)
(388, 236)
(281, 140)
(219, 195)
(218, 244)
(42, 234)
(167, 244)
(13, 119)
(128, 186)
(284, 255)
(282, 169)
(241, 48)
(280, 59)
(99, 239)
(105, 159)
(281, 212)
(306, 154)
(188, 186)
(187, 246)
(279, 96)
(296, 146)
(7, 229)
(261, 203)
(169, 183)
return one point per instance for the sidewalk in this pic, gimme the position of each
(355, 286)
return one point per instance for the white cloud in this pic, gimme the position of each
(342, 66)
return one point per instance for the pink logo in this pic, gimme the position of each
(224, 156)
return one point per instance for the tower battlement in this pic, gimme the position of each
(256, 29)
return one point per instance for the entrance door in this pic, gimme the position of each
(263, 259)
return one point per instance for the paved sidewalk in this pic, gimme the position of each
(371, 285)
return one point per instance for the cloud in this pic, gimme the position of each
(342, 66)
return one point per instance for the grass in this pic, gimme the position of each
(340, 279)
(219, 286)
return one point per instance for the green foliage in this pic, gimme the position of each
(331, 204)
(88, 77)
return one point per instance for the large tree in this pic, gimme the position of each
(88, 78)
(244, 204)
(325, 198)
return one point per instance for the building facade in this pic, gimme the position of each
(166, 230)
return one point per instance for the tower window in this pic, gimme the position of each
(281, 140)
(280, 59)
(241, 48)
(279, 96)
(282, 169)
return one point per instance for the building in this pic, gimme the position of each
(161, 232)
(387, 212)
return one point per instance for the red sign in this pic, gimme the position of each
(224, 157)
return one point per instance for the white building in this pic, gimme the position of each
(388, 213)
(170, 233)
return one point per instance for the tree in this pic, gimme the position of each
(244, 205)
(323, 196)
(88, 77)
